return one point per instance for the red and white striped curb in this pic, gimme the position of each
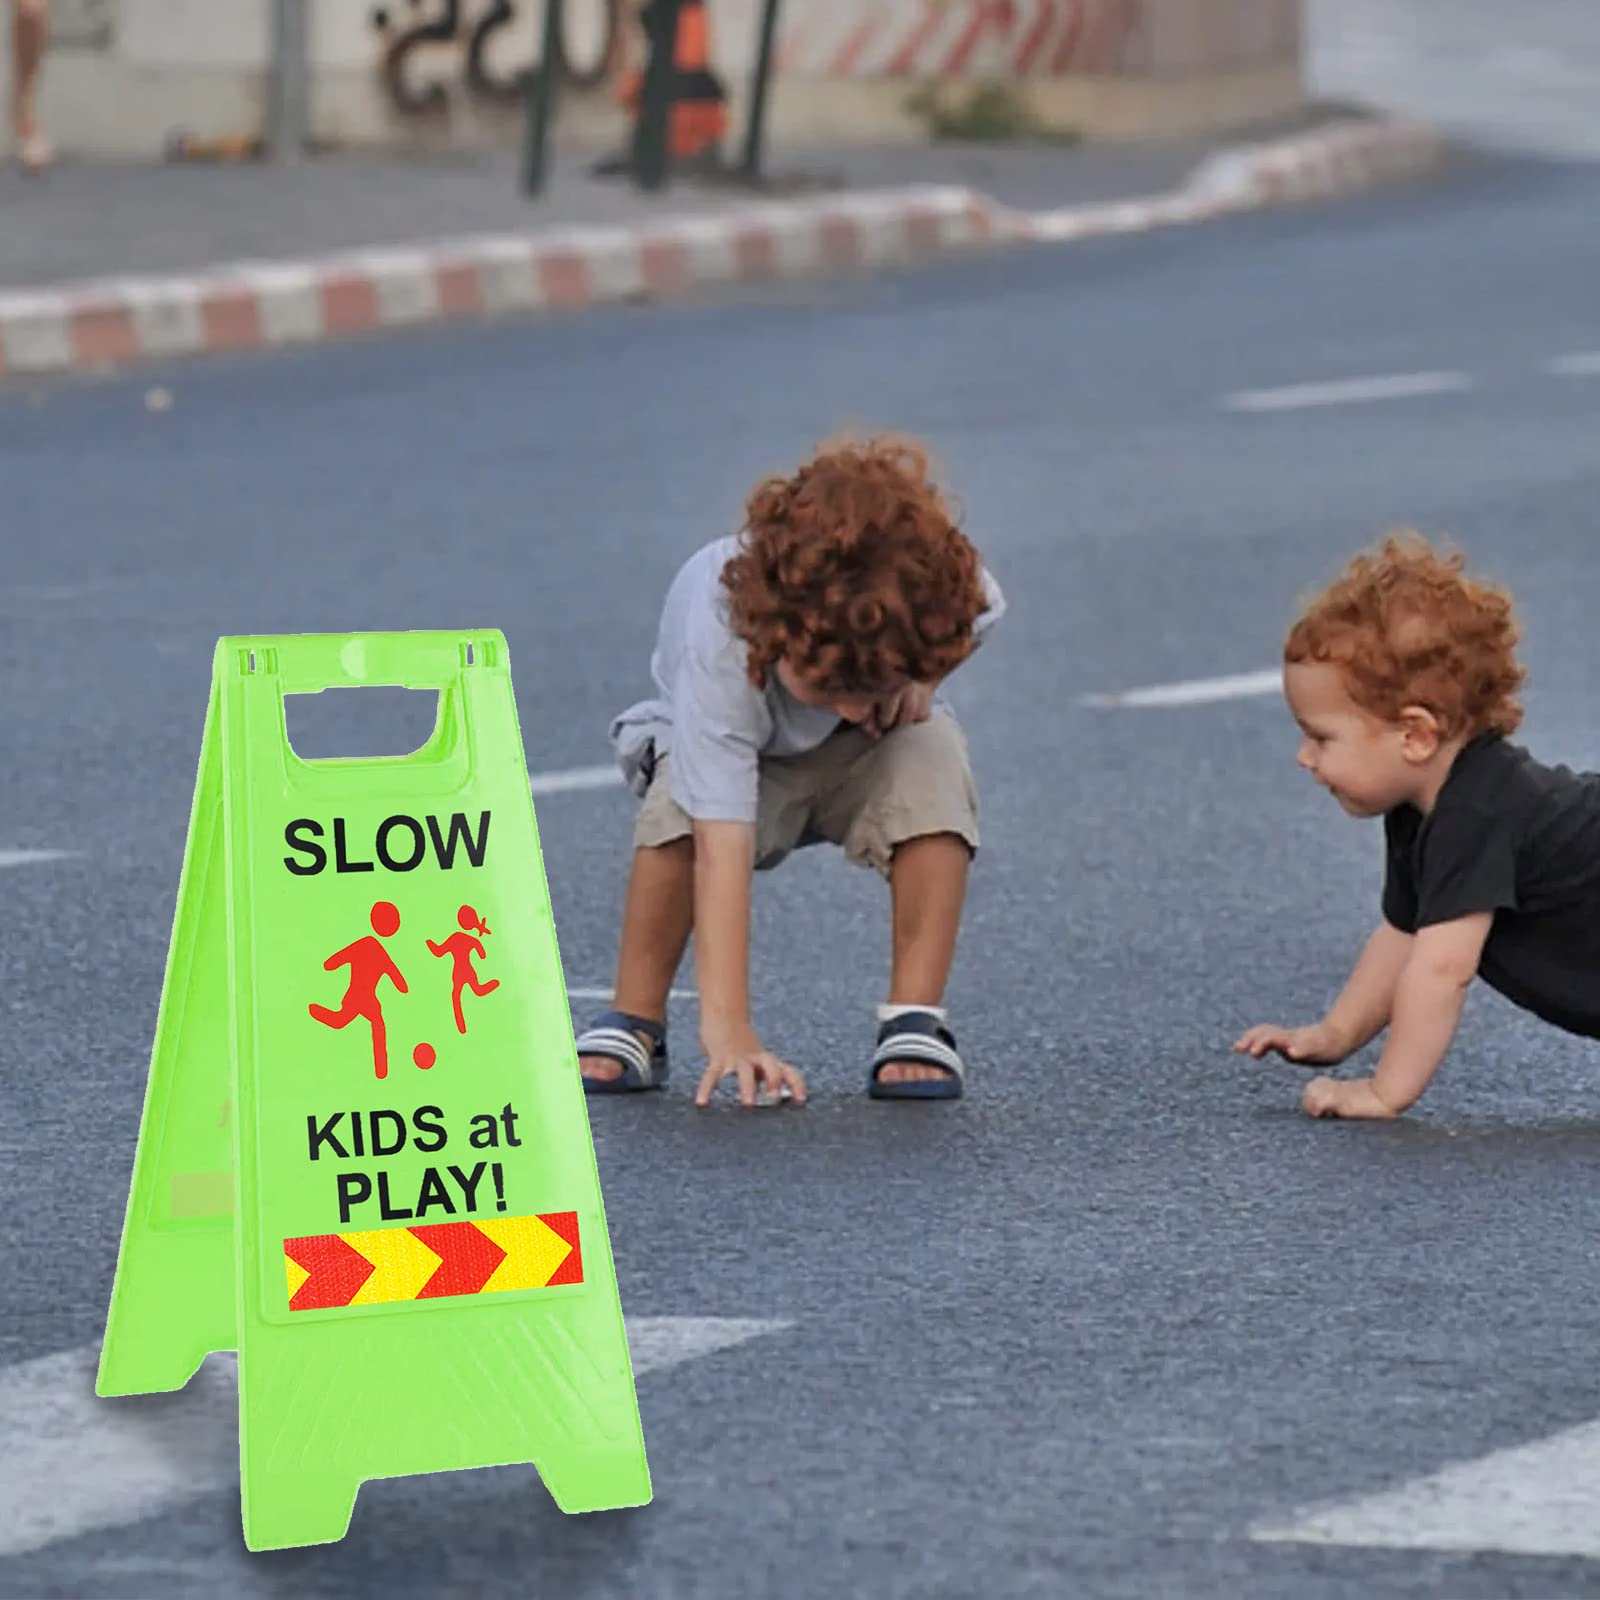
(1320, 165)
(96, 326)
(1323, 165)
(256, 306)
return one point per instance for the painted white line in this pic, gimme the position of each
(607, 777)
(605, 994)
(24, 858)
(1540, 1499)
(1582, 364)
(657, 1342)
(1348, 391)
(71, 1463)
(1199, 691)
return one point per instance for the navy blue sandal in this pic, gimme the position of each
(917, 1036)
(615, 1035)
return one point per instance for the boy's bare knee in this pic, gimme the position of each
(683, 845)
(935, 854)
(32, 14)
(942, 838)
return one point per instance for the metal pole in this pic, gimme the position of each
(755, 127)
(543, 79)
(650, 133)
(288, 98)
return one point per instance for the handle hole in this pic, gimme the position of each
(379, 723)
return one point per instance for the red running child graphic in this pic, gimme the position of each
(369, 962)
(462, 947)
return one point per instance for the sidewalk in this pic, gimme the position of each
(102, 264)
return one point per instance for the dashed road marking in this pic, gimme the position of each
(71, 1463)
(1538, 1499)
(1197, 691)
(605, 994)
(26, 858)
(575, 778)
(1348, 391)
(1581, 364)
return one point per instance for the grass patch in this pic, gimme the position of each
(990, 113)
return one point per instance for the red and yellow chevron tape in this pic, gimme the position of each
(429, 1261)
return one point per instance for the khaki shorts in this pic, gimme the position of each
(868, 795)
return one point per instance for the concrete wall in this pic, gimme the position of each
(1110, 68)
(123, 73)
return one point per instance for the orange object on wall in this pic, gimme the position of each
(698, 119)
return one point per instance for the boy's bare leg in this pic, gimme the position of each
(30, 30)
(657, 918)
(927, 884)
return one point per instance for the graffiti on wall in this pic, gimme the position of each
(487, 48)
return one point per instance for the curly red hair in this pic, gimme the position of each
(853, 570)
(1407, 627)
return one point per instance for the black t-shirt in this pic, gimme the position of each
(1511, 836)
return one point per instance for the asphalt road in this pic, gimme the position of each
(1098, 1326)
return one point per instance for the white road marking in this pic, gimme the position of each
(1198, 691)
(71, 1463)
(1540, 1499)
(24, 858)
(656, 1342)
(1348, 391)
(1582, 364)
(605, 994)
(607, 777)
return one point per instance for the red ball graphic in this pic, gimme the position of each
(424, 1056)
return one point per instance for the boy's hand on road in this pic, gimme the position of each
(739, 1052)
(1345, 1097)
(1318, 1044)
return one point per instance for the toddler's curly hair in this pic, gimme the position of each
(854, 570)
(1406, 626)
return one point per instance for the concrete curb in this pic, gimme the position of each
(1346, 159)
(95, 326)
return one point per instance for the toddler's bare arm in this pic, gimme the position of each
(1366, 1003)
(1427, 1006)
(1357, 1016)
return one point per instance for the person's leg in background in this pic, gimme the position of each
(30, 31)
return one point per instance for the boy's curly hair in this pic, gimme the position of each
(853, 569)
(1407, 627)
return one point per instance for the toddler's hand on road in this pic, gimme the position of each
(1344, 1097)
(1317, 1044)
